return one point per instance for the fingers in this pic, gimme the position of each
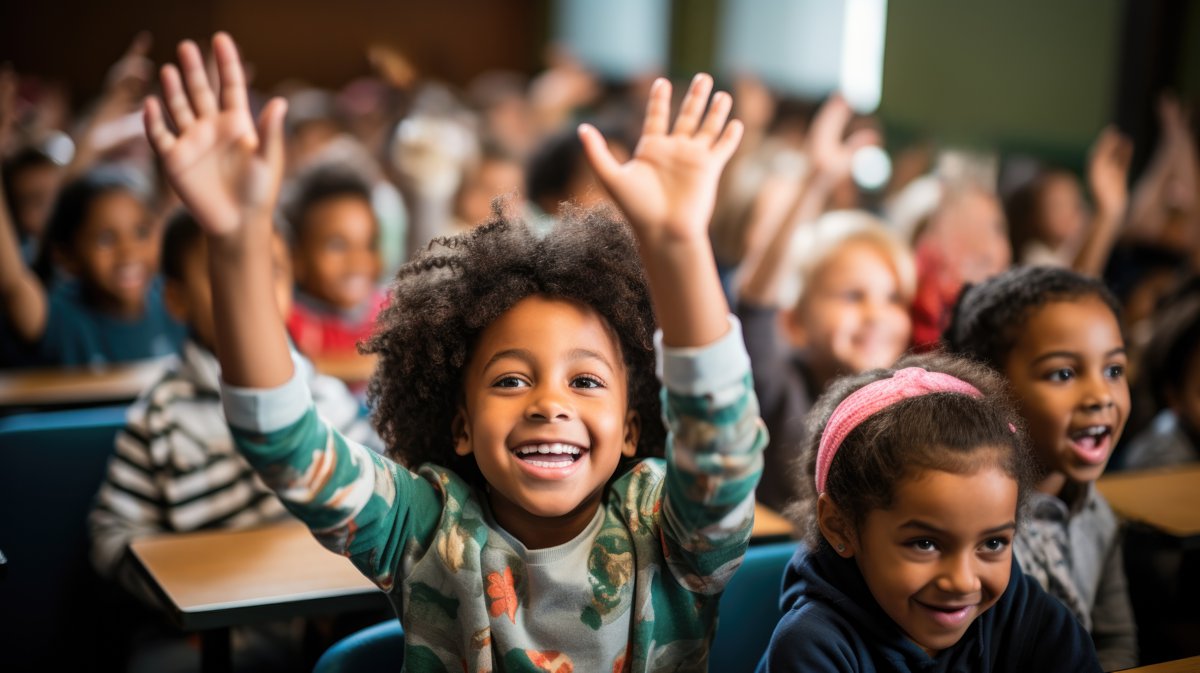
(196, 78)
(140, 46)
(862, 138)
(718, 113)
(157, 132)
(603, 162)
(658, 108)
(693, 105)
(270, 130)
(727, 144)
(175, 99)
(230, 73)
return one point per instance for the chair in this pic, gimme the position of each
(749, 612)
(750, 609)
(51, 465)
(375, 648)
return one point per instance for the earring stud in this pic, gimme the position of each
(841, 548)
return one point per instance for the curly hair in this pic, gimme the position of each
(449, 293)
(989, 317)
(950, 432)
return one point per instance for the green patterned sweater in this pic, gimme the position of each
(637, 590)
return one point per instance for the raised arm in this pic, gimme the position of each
(21, 295)
(830, 154)
(227, 172)
(667, 190)
(1108, 171)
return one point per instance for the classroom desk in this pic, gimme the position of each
(351, 369)
(212, 580)
(1189, 665)
(1167, 500)
(768, 525)
(54, 386)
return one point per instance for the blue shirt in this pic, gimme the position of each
(77, 334)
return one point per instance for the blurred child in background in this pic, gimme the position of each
(335, 257)
(848, 312)
(1049, 223)
(175, 469)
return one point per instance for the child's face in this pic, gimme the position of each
(115, 252)
(852, 317)
(337, 257)
(1060, 208)
(1067, 369)
(546, 415)
(941, 555)
(189, 300)
(33, 196)
(493, 178)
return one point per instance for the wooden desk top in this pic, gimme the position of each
(1190, 665)
(350, 369)
(1167, 499)
(768, 523)
(214, 579)
(59, 385)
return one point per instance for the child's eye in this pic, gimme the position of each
(923, 545)
(587, 382)
(1060, 375)
(853, 295)
(1114, 371)
(995, 545)
(509, 382)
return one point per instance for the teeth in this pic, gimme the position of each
(1093, 431)
(530, 449)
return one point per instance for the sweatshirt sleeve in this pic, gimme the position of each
(356, 502)
(714, 459)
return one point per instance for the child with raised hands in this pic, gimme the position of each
(914, 478)
(1056, 337)
(516, 381)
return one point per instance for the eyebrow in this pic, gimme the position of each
(1074, 356)
(526, 356)
(921, 525)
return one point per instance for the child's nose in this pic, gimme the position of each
(958, 575)
(1098, 394)
(549, 404)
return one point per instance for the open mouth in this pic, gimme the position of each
(1091, 443)
(949, 616)
(549, 455)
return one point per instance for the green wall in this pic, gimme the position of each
(1019, 74)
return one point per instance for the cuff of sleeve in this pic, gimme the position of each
(269, 409)
(707, 369)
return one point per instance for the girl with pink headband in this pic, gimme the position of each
(913, 481)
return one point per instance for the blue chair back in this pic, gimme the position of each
(51, 465)
(375, 648)
(750, 609)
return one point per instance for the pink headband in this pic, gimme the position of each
(876, 396)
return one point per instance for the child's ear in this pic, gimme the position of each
(633, 432)
(834, 527)
(462, 436)
(174, 301)
(791, 323)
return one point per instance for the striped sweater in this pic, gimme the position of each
(174, 467)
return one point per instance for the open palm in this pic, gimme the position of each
(222, 166)
(667, 189)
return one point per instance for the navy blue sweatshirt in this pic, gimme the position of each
(831, 622)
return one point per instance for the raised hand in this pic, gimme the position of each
(828, 147)
(8, 105)
(224, 168)
(669, 186)
(1108, 172)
